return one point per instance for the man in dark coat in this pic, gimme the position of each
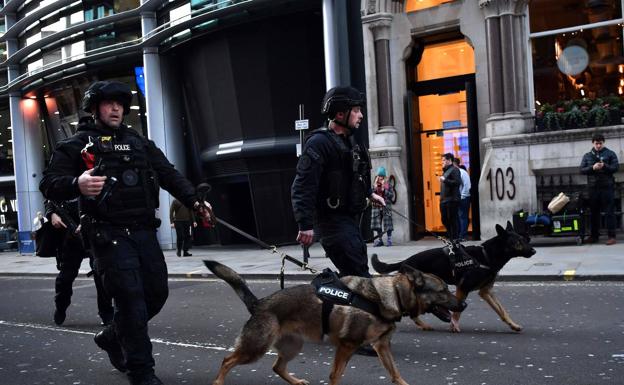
(450, 183)
(599, 165)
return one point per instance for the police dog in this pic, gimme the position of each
(492, 255)
(287, 317)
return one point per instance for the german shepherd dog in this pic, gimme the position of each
(492, 255)
(287, 317)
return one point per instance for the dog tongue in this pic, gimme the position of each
(442, 313)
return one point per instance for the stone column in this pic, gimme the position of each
(28, 160)
(155, 106)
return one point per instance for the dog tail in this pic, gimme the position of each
(236, 281)
(384, 268)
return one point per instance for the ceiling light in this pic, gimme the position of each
(135, 107)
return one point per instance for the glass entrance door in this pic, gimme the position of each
(444, 123)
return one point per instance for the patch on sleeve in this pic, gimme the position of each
(313, 154)
(304, 162)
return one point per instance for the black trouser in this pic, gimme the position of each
(68, 265)
(183, 235)
(134, 273)
(449, 211)
(602, 199)
(344, 246)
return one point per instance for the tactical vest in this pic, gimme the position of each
(346, 189)
(130, 194)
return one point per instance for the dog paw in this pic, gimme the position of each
(455, 328)
(515, 327)
(426, 328)
(301, 382)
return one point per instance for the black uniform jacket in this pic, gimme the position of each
(60, 179)
(322, 155)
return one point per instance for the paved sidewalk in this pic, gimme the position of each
(556, 259)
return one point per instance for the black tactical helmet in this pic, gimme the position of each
(341, 98)
(107, 90)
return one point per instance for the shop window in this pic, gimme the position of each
(446, 59)
(417, 5)
(576, 50)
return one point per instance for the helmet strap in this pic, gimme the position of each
(345, 123)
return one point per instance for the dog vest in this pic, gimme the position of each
(332, 291)
(461, 261)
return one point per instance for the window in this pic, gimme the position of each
(577, 49)
(417, 5)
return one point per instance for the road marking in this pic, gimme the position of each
(154, 340)
(568, 275)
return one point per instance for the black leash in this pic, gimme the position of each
(273, 249)
(445, 240)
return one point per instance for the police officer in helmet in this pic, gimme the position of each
(117, 175)
(333, 182)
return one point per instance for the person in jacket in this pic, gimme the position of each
(182, 219)
(464, 202)
(333, 182)
(599, 165)
(117, 175)
(381, 217)
(450, 181)
(70, 253)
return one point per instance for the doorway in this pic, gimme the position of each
(442, 107)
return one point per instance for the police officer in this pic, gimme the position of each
(333, 182)
(117, 174)
(65, 217)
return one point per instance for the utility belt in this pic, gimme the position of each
(332, 291)
(98, 233)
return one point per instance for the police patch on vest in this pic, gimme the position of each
(122, 147)
(334, 294)
(304, 163)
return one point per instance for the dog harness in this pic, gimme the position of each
(461, 261)
(332, 291)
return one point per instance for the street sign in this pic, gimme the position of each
(302, 124)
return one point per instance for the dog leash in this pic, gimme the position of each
(285, 257)
(444, 240)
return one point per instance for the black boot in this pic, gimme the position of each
(59, 316)
(150, 379)
(106, 341)
(107, 319)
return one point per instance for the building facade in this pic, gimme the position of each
(513, 88)
(217, 84)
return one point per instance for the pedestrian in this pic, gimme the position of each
(332, 183)
(599, 165)
(64, 216)
(450, 196)
(38, 221)
(464, 202)
(116, 174)
(182, 218)
(381, 217)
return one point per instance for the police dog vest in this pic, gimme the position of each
(332, 291)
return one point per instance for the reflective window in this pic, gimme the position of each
(446, 59)
(576, 63)
(417, 5)
(6, 137)
(546, 15)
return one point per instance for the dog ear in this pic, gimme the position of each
(499, 230)
(414, 275)
(509, 226)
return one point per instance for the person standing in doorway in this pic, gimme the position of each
(182, 219)
(464, 202)
(450, 196)
(381, 217)
(599, 165)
